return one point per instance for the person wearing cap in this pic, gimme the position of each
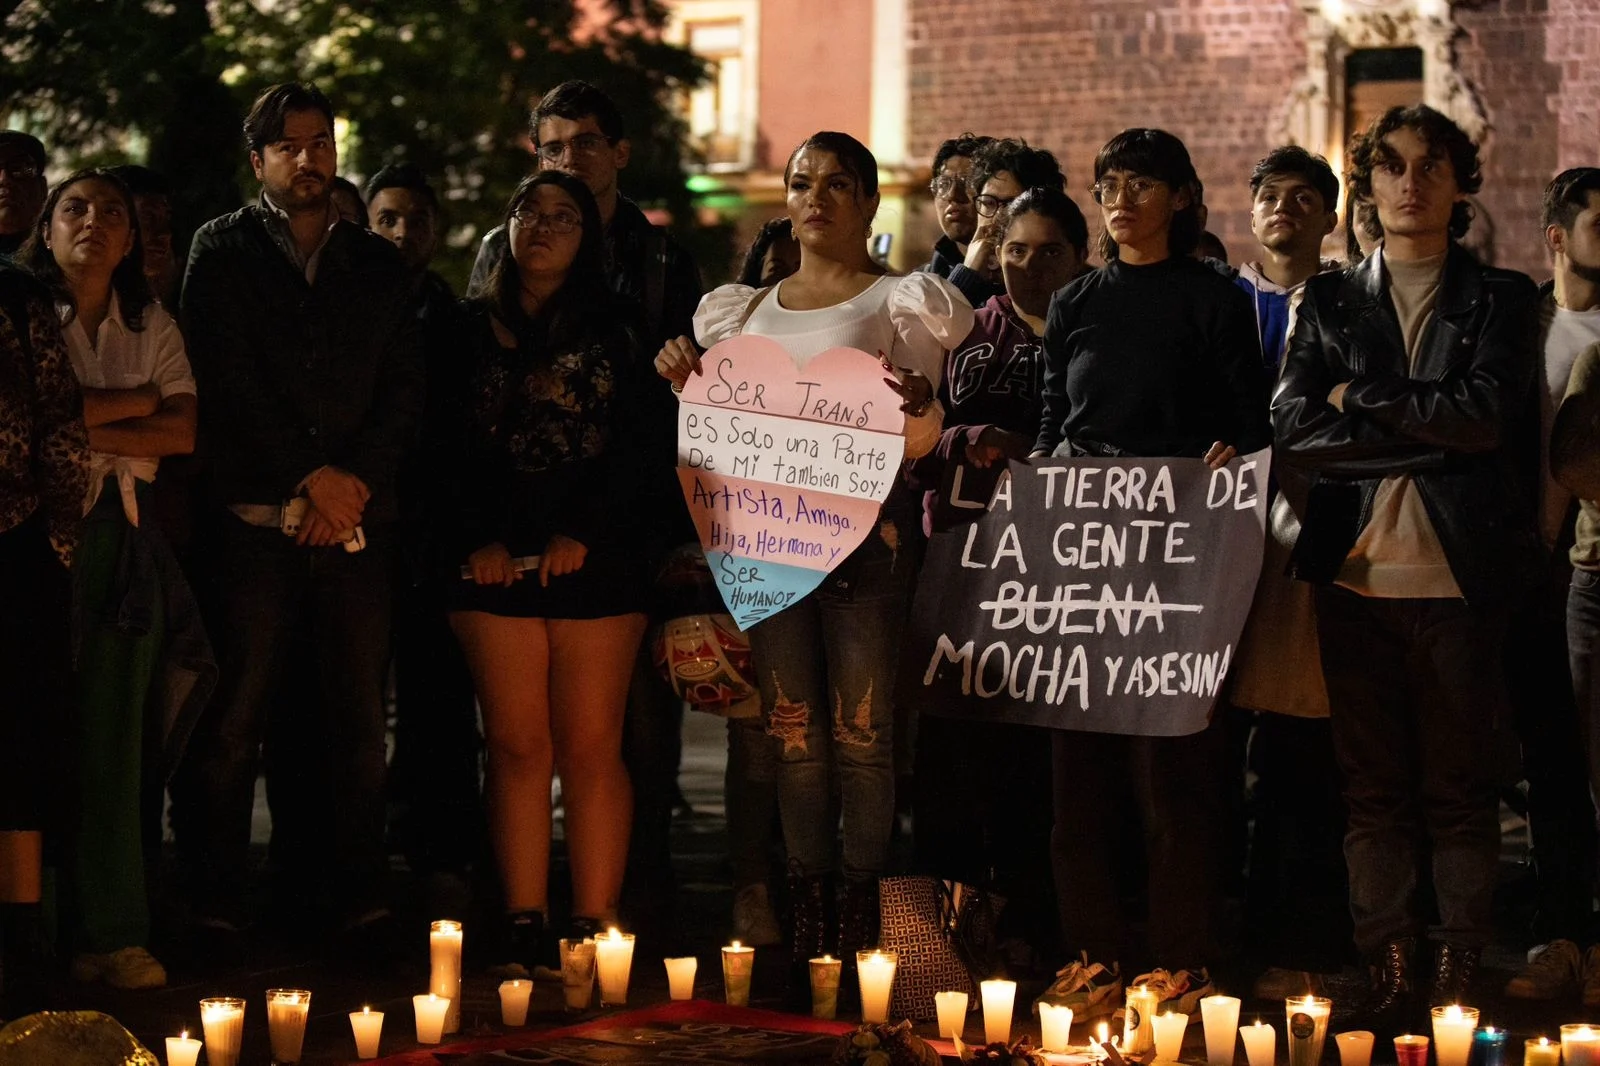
(22, 187)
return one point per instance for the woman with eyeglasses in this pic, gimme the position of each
(552, 611)
(1155, 355)
(827, 664)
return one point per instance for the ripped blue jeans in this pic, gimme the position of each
(827, 667)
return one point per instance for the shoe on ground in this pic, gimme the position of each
(1554, 971)
(754, 921)
(132, 969)
(1591, 978)
(1092, 990)
(1179, 991)
(1277, 982)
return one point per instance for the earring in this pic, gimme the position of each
(869, 229)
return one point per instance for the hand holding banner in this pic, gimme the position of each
(784, 469)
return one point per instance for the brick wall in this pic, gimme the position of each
(1067, 74)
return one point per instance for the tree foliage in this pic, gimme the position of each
(446, 86)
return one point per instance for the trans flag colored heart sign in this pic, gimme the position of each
(784, 468)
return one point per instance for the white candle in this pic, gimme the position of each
(367, 1026)
(1260, 1043)
(875, 970)
(444, 951)
(1580, 1045)
(952, 1011)
(430, 1010)
(1308, 1028)
(680, 976)
(999, 997)
(514, 1001)
(1169, 1029)
(613, 961)
(223, 1022)
(1220, 1017)
(1055, 1027)
(182, 1050)
(1355, 1047)
(738, 963)
(287, 1009)
(1452, 1034)
(1541, 1052)
(1138, 1034)
(825, 986)
(577, 972)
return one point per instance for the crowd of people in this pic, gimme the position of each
(239, 508)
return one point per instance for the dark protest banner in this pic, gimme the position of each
(1104, 595)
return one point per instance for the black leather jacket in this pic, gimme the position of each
(1465, 427)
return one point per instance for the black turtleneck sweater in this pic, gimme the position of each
(1157, 360)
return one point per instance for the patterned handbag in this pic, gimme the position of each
(944, 934)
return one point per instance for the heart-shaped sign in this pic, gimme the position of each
(784, 467)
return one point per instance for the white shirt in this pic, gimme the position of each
(910, 321)
(119, 358)
(1566, 333)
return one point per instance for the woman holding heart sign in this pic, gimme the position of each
(827, 664)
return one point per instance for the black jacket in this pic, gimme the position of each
(1465, 426)
(295, 375)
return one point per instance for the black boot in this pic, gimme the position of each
(858, 931)
(522, 944)
(1455, 968)
(1390, 1000)
(810, 924)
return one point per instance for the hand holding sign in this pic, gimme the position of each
(784, 468)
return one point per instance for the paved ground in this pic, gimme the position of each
(280, 959)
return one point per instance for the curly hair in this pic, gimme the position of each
(1034, 168)
(964, 146)
(1443, 138)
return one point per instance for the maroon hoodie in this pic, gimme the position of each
(992, 378)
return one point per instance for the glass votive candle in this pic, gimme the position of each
(1308, 1028)
(1355, 1047)
(430, 1010)
(1489, 1047)
(514, 996)
(444, 975)
(577, 972)
(738, 964)
(366, 1025)
(613, 962)
(1580, 1045)
(1453, 1026)
(680, 976)
(875, 973)
(825, 973)
(1411, 1049)
(223, 1022)
(287, 1010)
(1138, 1020)
(1538, 1051)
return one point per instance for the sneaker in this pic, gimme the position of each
(754, 922)
(1090, 989)
(1591, 978)
(1180, 991)
(131, 969)
(1554, 970)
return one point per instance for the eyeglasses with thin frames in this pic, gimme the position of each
(559, 222)
(584, 144)
(946, 187)
(1135, 191)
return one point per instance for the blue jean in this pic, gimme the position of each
(827, 667)
(1419, 708)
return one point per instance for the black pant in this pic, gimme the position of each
(1417, 691)
(652, 746)
(1560, 812)
(270, 591)
(35, 678)
(1174, 788)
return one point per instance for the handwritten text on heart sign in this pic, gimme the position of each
(784, 468)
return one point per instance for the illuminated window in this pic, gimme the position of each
(1377, 79)
(721, 113)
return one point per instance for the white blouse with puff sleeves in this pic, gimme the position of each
(910, 320)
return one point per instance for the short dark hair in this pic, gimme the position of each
(575, 100)
(775, 230)
(127, 280)
(1210, 246)
(1160, 155)
(585, 295)
(1055, 205)
(1567, 195)
(1295, 160)
(1034, 168)
(1441, 135)
(965, 146)
(141, 181)
(403, 176)
(264, 123)
(856, 159)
